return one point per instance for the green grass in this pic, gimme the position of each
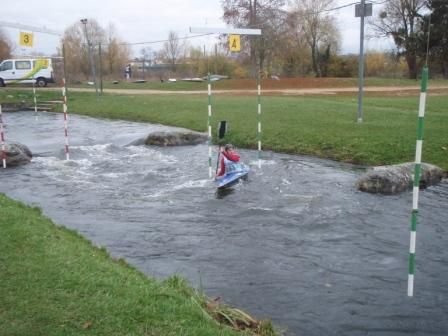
(230, 84)
(251, 84)
(322, 126)
(54, 282)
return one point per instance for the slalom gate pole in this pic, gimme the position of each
(2, 138)
(416, 185)
(35, 101)
(209, 126)
(64, 108)
(259, 118)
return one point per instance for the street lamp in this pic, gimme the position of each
(89, 48)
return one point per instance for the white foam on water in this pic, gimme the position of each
(97, 151)
(176, 187)
(261, 208)
(75, 171)
(116, 175)
(142, 152)
(262, 162)
(192, 184)
(286, 182)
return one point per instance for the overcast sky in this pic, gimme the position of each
(148, 20)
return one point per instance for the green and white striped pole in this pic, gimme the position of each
(209, 126)
(2, 139)
(417, 171)
(259, 119)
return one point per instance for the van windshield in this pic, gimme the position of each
(6, 66)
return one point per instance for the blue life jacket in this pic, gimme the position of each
(231, 166)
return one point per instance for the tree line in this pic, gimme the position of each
(301, 39)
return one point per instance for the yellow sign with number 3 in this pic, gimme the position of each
(26, 39)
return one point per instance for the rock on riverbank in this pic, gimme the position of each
(397, 178)
(172, 139)
(17, 154)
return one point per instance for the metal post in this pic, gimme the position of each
(89, 48)
(416, 189)
(361, 62)
(101, 68)
(259, 118)
(64, 69)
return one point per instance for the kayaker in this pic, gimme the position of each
(228, 155)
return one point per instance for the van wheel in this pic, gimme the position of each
(2, 83)
(41, 82)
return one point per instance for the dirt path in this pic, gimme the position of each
(286, 92)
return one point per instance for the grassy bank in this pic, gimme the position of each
(315, 125)
(284, 83)
(54, 282)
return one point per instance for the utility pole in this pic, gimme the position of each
(89, 48)
(361, 10)
(101, 67)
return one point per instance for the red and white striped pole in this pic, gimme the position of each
(2, 138)
(35, 101)
(64, 108)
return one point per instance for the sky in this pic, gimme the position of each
(149, 20)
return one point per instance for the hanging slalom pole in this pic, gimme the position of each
(416, 188)
(2, 138)
(209, 126)
(417, 169)
(259, 118)
(64, 108)
(35, 100)
(64, 104)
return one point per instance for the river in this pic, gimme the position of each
(296, 243)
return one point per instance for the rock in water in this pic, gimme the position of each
(17, 154)
(397, 178)
(175, 138)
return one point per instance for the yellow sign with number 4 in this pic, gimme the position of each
(234, 43)
(26, 39)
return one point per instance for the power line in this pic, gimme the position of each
(160, 41)
(311, 13)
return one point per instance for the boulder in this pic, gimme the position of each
(394, 179)
(17, 154)
(175, 138)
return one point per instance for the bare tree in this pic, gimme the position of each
(76, 61)
(172, 49)
(146, 57)
(438, 43)
(296, 55)
(319, 30)
(401, 19)
(264, 14)
(5, 46)
(76, 55)
(117, 52)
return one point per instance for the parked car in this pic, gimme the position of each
(34, 70)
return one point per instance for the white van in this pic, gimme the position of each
(27, 70)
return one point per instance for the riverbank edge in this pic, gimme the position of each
(55, 281)
(316, 133)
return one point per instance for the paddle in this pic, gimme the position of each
(222, 128)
